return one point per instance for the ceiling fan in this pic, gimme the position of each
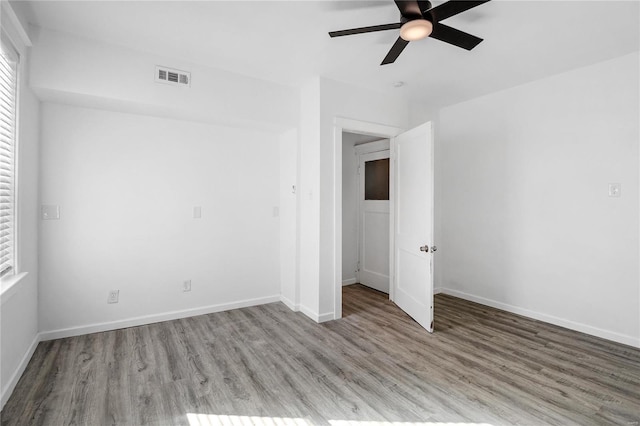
(419, 20)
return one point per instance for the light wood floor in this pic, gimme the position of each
(267, 363)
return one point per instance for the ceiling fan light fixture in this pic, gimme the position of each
(416, 29)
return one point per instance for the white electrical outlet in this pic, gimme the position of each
(50, 212)
(186, 285)
(615, 190)
(113, 296)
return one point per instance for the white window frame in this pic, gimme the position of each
(14, 258)
(13, 30)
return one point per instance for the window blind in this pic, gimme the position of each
(8, 94)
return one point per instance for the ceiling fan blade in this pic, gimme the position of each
(458, 38)
(395, 51)
(409, 8)
(363, 30)
(451, 8)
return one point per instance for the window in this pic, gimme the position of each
(376, 179)
(8, 102)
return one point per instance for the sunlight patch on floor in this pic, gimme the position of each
(366, 423)
(223, 420)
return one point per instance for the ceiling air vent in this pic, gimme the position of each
(171, 76)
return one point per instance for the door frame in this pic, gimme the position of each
(341, 124)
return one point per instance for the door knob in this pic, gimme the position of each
(426, 249)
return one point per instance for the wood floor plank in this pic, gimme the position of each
(266, 364)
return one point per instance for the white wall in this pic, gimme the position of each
(70, 69)
(288, 212)
(126, 185)
(141, 177)
(527, 223)
(308, 196)
(19, 305)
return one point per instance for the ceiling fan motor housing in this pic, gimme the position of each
(425, 7)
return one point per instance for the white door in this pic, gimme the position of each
(373, 198)
(412, 176)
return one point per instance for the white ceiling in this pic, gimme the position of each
(287, 41)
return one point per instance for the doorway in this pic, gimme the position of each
(365, 211)
(367, 132)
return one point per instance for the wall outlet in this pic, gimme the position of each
(186, 285)
(113, 296)
(615, 190)
(50, 212)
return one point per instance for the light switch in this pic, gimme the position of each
(50, 212)
(197, 212)
(615, 190)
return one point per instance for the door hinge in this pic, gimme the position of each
(358, 170)
(358, 267)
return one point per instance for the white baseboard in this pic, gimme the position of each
(572, 325)
(290, 304)
(349, 281)
(150, 319)
(328, 316)
(438, 290)
(310, 313)
(11, 385)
